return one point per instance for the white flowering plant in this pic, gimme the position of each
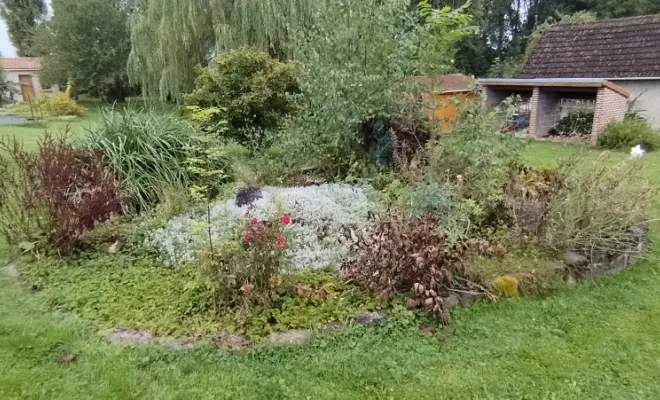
(324, 220)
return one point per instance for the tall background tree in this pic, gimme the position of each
(87, 41)
(505, 26)
(170, 37)
(22, 18)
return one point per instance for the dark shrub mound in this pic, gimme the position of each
(576, 123)
(396, 142)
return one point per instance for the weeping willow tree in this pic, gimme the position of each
(170, 37)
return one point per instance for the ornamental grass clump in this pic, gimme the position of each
(146, 150)
(598, 206)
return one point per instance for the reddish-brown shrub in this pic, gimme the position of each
(409, 255)
(59, 192)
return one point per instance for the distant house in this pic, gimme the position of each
(448, 92)
(600, 65)
(23, 73)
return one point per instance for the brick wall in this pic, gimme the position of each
(533, 111)
(610, 107)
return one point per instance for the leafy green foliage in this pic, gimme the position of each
(7, 88)
(310, 299)
(169, 40)
(134, 291)
(99, 67)
(346, 81)
(119, 290)
(22, 18)
(474, 160)
(578, 122)
(146, 150)
(248, 89)
(207, 164)
(505, 68)
(439, 200)
(629, 133)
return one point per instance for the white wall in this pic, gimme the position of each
(647, 93)
(12, 76)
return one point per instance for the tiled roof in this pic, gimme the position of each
(21, 63)
(447, 83)
(615, 48)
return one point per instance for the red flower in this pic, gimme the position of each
(259, 233)
(253, 221)
(286, 220)
(247, 237)
(247, 288)
(280, 242)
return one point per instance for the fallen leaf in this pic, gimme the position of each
(426, 329)
(65, 359)
(114, 248)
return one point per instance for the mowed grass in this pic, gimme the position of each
(593, 340)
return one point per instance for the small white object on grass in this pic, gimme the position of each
(637, 152)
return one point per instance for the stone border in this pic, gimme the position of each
(575, 265)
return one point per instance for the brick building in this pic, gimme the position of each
(599, 66)
(548, 101)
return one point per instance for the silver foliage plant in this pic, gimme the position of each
(325, 219)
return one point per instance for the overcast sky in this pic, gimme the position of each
(6, 48)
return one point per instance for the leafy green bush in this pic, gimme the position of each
(146, 150)
(249, 89)
(474, 160)
(355, 70)
(597, 205)
(59, 104)
(630, 133)
(439, 200)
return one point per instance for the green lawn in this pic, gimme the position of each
(593, 340)
(31, 131)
